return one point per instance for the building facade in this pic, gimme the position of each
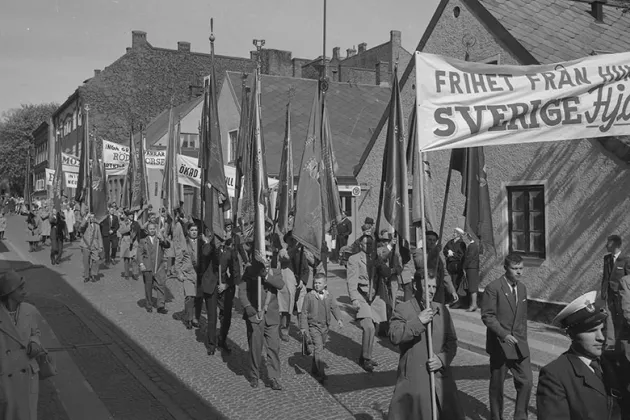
(42, 146)
(554, 203)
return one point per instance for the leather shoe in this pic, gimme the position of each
(162, 311)
(472, 309)
(253, 382)
(211, 352)
(149, 310)
(195, 324)
(188, 325)
(275, 385)
(366, 365)
(225, 348)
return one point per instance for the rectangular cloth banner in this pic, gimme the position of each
(70, 163)
(116, 158)
(50, 176)
(72, 178)
(190, 174)
(465, 104)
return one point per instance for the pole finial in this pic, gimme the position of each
(212, 30)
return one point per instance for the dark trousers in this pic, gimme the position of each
(615, 318)
(259, 335)
(224, 302)
(523, 382)
(106, 247)
(152, 282)
(55, 252)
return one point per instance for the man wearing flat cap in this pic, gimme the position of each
(581, 384)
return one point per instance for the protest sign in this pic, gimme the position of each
(116, 158)
(50, 176)
(466, 104)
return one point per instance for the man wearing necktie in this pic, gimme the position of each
(91, 247)
(504, 312)
(581, 384)
(615, 267)
(153, 267)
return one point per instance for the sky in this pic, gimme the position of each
(49, 47)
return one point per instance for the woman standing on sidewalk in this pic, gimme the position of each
(19, 347)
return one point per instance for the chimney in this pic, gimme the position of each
(96, 72)
(382, 73)
(138, 39)
(127, 49)
(183, 46)
(395, 37)
(362, 47)
(350, 52)
(336, 53)
(597, 10)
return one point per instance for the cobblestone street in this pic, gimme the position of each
(144, 365)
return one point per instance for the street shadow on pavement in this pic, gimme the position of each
(340, 384)
(103, 351)
(3, 247)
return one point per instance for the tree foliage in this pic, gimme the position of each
(16, 139)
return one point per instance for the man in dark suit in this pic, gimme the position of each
(153, 267)
(109, 232)
(221, 274)
(504, 312)
(581, 384)
(615, 267)
(263, 326)
(471, 268)
(344, 229)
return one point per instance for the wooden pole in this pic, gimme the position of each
(448, 187)
(429, 329)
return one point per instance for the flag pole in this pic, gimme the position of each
(429, 329)
(259, 43)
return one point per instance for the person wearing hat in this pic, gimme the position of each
(344, 230)
(19, 346)
(262, 326)
(58, 231)
(151, 256)
(365, 294)
(221, 273)
(581, 384)
(233, 241)
(616, 266)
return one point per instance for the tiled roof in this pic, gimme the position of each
(158, 127)
(354, 111)
(561, 30)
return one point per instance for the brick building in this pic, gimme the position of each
(43, 154)
(572, 193)
(134, 89)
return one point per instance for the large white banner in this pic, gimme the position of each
(116, 158)
(464, 104)
(190, 174)
(72, 178)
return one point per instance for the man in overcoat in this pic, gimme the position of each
(367, 299)
(262, 326)
(220, 275)
(407, 329)
(454, 252)
(109, 233)
(153, 267)
(615, 267)
(581, 384)
(504, 312)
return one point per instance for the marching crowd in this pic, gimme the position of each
(586, 382)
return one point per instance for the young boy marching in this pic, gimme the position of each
(318, 306)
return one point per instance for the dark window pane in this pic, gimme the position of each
(537, 242)
(536, 221)
(518, 220)
(536, 200)
(519, 242)
(518, 200)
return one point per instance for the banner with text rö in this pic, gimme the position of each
(190, 174)
(116, 158)
(465, 104)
